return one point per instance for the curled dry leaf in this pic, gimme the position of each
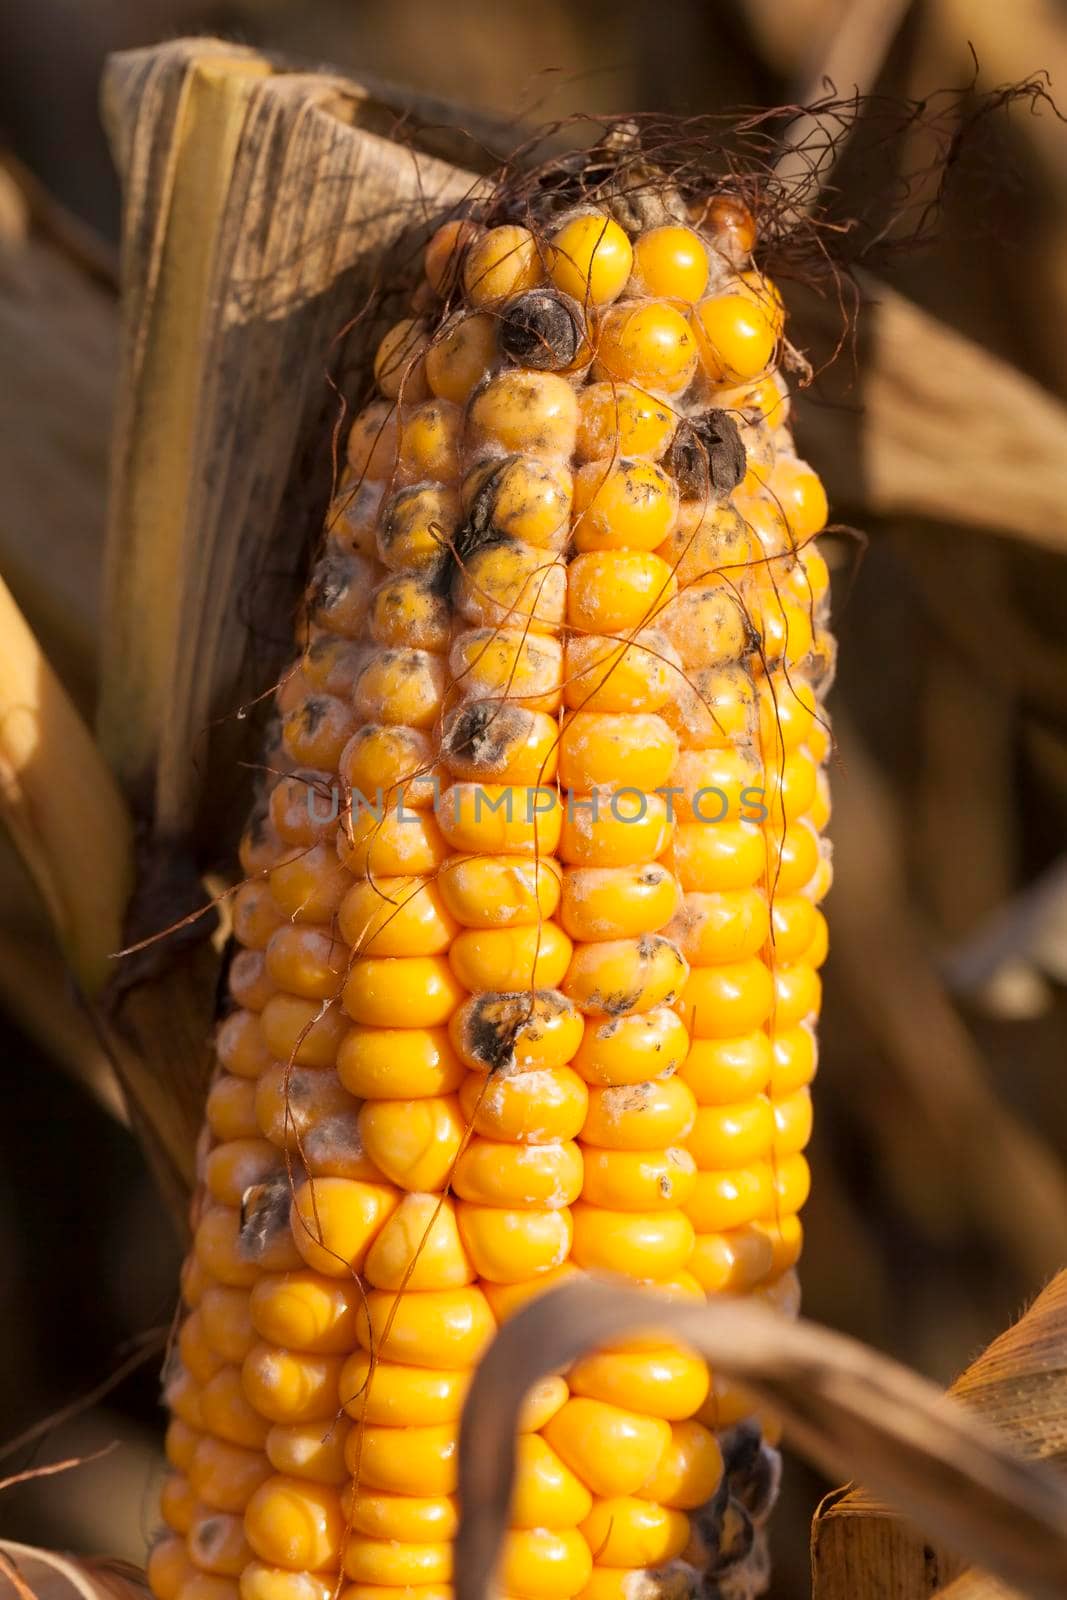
(30, 1573)
(850, 1410)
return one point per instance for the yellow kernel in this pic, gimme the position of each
(638, 1180)
(617, 902)
(412, 1519)
(544, 1563)
(603, 749)
(413, 1142)
(666, 1381)
(506, 959)
(501, 819)
(235, 1166)
(372, 442)
(539, 1107)
(310, 886)
(735, 336)
(646, 343)
(390, 844)
(334, 1220)
(398, 1063)
(499, 891)
(728, 926)
(723, 1071)
(733, 1135)
(591, 259)
(305, 1033)
(617, 419)
(178, 1504)
(419, 1247)
(446, 251)
(400, 1396)
(603, 674)
(623, 503)
(436, 1328)
(507, 1246)
(733, 1262)
(611, 1449)
(618, 976)
(727, 1199)
(295, 1524)
(627, 1532)
(502, 262)
(395, 917)
(420, 990)
(546, 1493)
(395, 1563)
(721, 1002)
(709, 857)
(672, 262)
(306, 961)
(416, 1461)
(407, 610)
(530, 413)
(639, 1244)
(508, 663)
(430, 439)
(225, 1476)
(229, 1414)
(460, 355)
(314, 1450)
(398, 365)
(625, 1050)
(305, 1311)
(613, 591)
(492, 1173)
(648, 1115)
(290, 1385)
(168, 1567)
(507, 584)
(216, 1543)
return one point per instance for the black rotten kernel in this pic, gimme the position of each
(706, 455)
(542, 329)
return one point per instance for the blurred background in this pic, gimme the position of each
(940, 1198)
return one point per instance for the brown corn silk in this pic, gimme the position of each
(529, 934)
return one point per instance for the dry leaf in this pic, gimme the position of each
(29, 1573)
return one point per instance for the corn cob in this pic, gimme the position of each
(536, 994)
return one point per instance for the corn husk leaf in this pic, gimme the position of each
(848, 1409)
(61, 804)
(1019, 1386)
